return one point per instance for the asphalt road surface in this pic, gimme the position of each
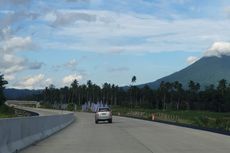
(127, 135)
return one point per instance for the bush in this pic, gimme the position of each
(6, 111)
(223, 124)
(70, 107)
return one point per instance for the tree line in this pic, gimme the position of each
(79, 94)
(168, 96)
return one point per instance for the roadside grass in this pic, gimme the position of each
(6, 112)
(220, 121)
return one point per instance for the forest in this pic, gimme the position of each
(169, 95)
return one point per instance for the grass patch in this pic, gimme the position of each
(205, 119)
(6, 112)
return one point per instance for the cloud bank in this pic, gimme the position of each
(218, 49)
(10, 62)
(67, 80)
(32, 82)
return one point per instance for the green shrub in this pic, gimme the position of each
(70, 107)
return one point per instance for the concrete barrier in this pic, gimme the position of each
(18, 133)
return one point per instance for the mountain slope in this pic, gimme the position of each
(206, 71)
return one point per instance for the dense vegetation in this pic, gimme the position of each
(169, 96)
(214, 120)
(2, 87)
(5, 111)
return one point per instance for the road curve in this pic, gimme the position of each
(42, 112)
(127, 135)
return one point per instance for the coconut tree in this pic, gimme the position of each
(133, 80)
(193, 90)
(74, 88)
(179, 91)
(221, 89)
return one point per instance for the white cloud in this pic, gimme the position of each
(67, 80)
(114, 32)
(48, 81)
(10, 62)
(33, 82)
(218, 49)
(192, 59)
(9, 77)
(72, 64)
(50, 17)
(17, 43)
(66, 18)
(13, 69)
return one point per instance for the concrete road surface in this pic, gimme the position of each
(127, 135)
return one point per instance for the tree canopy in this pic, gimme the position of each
(169, 95)
(2, 87)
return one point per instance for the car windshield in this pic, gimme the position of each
(104, 109)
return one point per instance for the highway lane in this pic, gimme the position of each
(127, 135)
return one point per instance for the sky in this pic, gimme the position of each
(45, 42)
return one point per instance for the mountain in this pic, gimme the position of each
(206, 71)
(14, 94)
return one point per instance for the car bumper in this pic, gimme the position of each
(103, 118)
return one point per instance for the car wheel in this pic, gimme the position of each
(96, 121)
(110, 121)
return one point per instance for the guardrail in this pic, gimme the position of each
(18, 133)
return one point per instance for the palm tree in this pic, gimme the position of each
(134, 79)
(51, 94)
(89, 87)
(146, 94)
(179, 89)
(169, 88)
(221, 88)
(193, 93)
(74, 88)
(116, 91)
(165, 90)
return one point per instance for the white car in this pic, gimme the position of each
(103, 114)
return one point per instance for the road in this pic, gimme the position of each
(127, 135)
(40, 111)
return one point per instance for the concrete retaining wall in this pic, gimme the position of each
(18, 133)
